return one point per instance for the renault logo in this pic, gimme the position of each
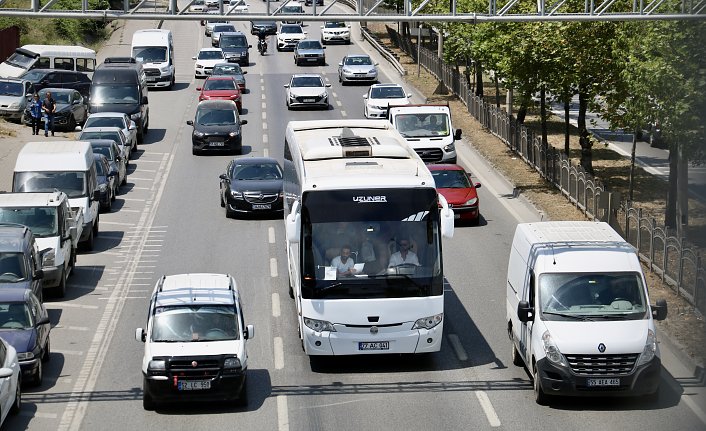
(601, 347)
(373, 330)
(194, 364)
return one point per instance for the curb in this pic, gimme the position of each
(694, 367)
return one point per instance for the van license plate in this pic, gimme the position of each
(375, 345)
(194, 385)
(603, 382)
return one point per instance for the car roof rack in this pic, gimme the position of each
(112, 60)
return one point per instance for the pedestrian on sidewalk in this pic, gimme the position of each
(35, 111)
(49, 108)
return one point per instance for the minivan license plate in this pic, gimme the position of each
(603, 382)
(194, 385)
(374, 345)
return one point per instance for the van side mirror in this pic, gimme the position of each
(249, 332)
(73, 232)
(659, 311)
(96, 195)
(524, 312)
(457, 134)
(145, 100)
(140, 335)
(190, 122)
(38, 274)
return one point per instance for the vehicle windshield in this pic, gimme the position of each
(41, 221)
(358, 61)
(334, 24)
(114, 94)
(227, 69)
(309, 44)
(233, 42)
(219, 84)
(609, 296)
(12, 268)
(15, 315)
(213, 117)
(195, 323)
(100, 169)
(11, 89)
(387, 93)
(256, 171)
(291, 29)
(150, 54)
(104, 122)
(89, 135)
(223, 28)
(60, 97)
(392, 236)
(104, 150)
(307, 81)
(422, 125)
(451, 179)
(20, 60)
(69, 182)
(211, 55)
(292, 10)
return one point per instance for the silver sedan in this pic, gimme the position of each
(357, 68)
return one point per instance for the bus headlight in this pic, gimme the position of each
(552, 351)
(319, 325)
(650, 348)
(428, 322)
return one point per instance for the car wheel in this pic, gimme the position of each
(147, 401)
(243, 396)
(88, 244)
(17, 404)
(229, 213)
(539, 396)
(61, 288)
(140, 137)
(38, 374)
(279, 49)
(516, 358)
(124, 180)
(220, 198)
(95, 226)
(194, 151)
(72, 261)
(47, 351)
(71, 124)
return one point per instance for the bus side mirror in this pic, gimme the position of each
(447, 218)
(524, 311)
(659, 311)
(293, 221)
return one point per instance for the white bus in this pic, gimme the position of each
(356, 184)
(65, 57)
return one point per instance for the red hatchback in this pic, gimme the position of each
(455, 184)
(221, 88)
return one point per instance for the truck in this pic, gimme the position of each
(427, 129)
(56, 228)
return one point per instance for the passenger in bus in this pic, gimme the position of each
(344, 263)
(337, 235)
(403, 256)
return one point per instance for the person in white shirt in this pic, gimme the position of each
(344, 264)
(404, 256)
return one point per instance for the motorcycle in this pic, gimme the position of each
(262, 46)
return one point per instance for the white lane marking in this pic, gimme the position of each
(282, 413)
(487, 406)
(333, 93)
(338, 103)
(276, 311)
(56, 306)
(38, 414)
(694, 407)
(271, 234)
(71, 328)
(264, 105)
(264, 126)
(458, 347)
(279, 353)
(265, 152)
(264, 116)
(265, 138)
(262, 87)
(344, 114)
(273, 267)
(125, 210)
(68, 352)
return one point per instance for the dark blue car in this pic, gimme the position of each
(24, 324)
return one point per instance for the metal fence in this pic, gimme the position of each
(673, 259)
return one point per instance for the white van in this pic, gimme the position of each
(64, 57)
(154, 48)
(67, 166)
(292, 8)
(427, 129)
(578, 312)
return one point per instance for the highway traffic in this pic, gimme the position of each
(168, 220)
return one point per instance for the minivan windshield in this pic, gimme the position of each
(42, 221)
(11, 89)
(233, 42)
(12, 268)
(195, 323)
(150, 54)
(114, 94)
(15, 315)
(20, 60)
(70, 182)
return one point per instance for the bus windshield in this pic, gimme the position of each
(376, 244)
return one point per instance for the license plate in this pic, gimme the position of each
(603, 382)
(261, 206)
(216, 144)
(309, 100)
(373, 345)
(151, 79)
(194, 385)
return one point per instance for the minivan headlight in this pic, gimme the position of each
(230, 363)
(449, 148)
(25, 356)
(49, 258)
(157, 365)
(136, 116)
(319, 325)
(650, 350)
(428, 322)
(552, 351)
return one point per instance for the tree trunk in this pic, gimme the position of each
(631, 185)
(670, 213)
(543, 113)
(497, 91)
(567, 124)
(479, 80)
(522, 113)
(584, 137)
(682, 193)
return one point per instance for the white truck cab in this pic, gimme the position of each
(427, 129)
(56, 229)
(195, 341)
(578, 312)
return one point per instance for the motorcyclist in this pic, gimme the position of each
(261, 42)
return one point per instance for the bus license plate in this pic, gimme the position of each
(262, 206)
(374, 345)
(194, 385)
(603, 382)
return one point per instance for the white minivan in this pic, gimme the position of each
(67, 166)
(154, 48)
(578, 312)
(64, 57)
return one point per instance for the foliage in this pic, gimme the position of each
(76, 30)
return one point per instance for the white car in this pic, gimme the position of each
(307, 89)
(195, 341)
(211, 22)
(217, 30)
(205, 60)
(335, 31)
(114, 133)
(10, 379)
(238, 6)
(289, 36)
(380, 96)
(115, 119)
(212, 3)
(198, 6)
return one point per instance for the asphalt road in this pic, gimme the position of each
(168, 221)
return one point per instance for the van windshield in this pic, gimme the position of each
(20, 60)
(12, 268)
(71, 183)
(116, 94)
(422, 125)
(195, 323)
(11, 89)
(42, 221)
(609, 296)
(150, 54)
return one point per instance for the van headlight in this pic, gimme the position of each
(428, 322)
(449, 148)
(319, 325)
(232, 363)
(552, 351)
(49, 258)
(650, 349)
(136, 116)
(164, 69)
(102, 188)
(157, 366)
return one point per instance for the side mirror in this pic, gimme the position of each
(6, 372)
(328, 85)
(43, 321)
(365, 96)
(457, 134)
(73, 232)
(447, 218)
(293, 224)
(249, 46)
(190, 122)
(140, 335)
(38, 274)
(476, 185)
(340, 64)
(75, 102)
(286, 85)
(322, 26)
(198, 88)
(193, 58)
(243, 122)
(224, 177)
(145, 100)
(409, 95)
(96, 195)
(245, 72)
(249, 332)
(659, 311)
(524, 312)
(133, 126)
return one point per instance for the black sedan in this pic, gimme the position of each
(117, 162)
(252, 186)
(107, 182)
(71, 108)
(217, 127)
(268, 27)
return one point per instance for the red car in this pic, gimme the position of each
(455, 184)
(221, 88)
